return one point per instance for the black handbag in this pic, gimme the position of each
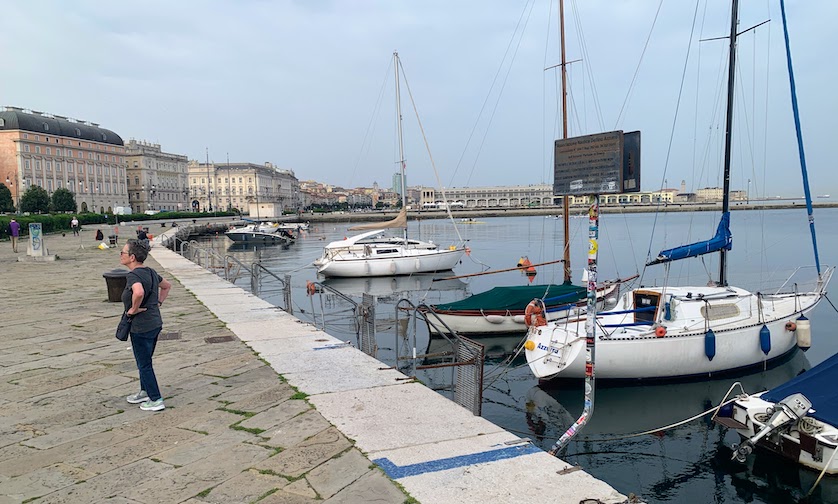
(123, 329)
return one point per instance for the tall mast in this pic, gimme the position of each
(731, 74)
(565, 199)
(401, 140)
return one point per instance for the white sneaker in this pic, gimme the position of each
(137, 398)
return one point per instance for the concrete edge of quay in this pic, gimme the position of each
(436, 450)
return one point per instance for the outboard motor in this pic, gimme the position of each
(789, 410)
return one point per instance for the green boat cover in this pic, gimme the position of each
(517, 297)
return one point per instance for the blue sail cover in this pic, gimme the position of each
(722, 240)
(818, 385)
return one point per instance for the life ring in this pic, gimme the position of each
(791, 326)
(468, 251)
(660, 331)
(311, 289)
(534, 310)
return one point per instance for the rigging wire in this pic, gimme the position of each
(672, 131)
(640, 62)
(430, 156)
(371, 125)
(491, 88)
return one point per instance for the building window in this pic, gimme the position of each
(78, 134)
(2, 122)
(49, 151)
(26, 148)
(49, 166)
(37, 149)
(58, 167)
(37, 166)
(26, 164)
(69, 153)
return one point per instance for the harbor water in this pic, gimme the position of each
(689, 462)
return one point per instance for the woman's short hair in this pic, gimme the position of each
(138, 249)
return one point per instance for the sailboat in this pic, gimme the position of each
(680, 332)
(503, 309)
(375, 254)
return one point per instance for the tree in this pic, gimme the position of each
(63, 200)
(34, 200)
(6, 202)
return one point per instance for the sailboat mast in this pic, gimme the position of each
(734, 21)
(565, 199)
(401, 140)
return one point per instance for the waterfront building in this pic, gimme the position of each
(53, 151)
(238, 185)
(156, 180)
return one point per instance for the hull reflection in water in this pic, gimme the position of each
(631, 409)
(386, 286)
(249, 245)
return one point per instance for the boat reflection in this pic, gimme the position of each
(624, 409)
(388, 286)
(497, 346)
(245, 246)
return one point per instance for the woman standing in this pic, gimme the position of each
(145, 290)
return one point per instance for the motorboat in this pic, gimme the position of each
(797, 420)
(260, 232)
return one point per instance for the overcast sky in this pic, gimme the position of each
(308, 85)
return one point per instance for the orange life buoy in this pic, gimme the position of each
(660, 331)
(529, 270)
(468, 251)
(311, 289)
(534, 310)
(791, 326)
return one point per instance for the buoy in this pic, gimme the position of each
(310, 288)
(791, 326)
(533, 315)
(660, 331)
(710, 344)
(765, 339)
(468, 251)
(804, 333)
(530, 345)
(529, 270)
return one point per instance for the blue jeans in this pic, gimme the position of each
(143, 345)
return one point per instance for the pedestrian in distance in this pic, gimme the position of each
(75, 225)
(145, 291)
(142, 236)
(14, 232)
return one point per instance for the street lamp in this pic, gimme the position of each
(152, 192)
(17, 193)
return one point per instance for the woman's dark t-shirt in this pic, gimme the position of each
(150, 319)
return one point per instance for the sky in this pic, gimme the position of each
(308, 85)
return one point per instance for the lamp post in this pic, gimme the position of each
(17, 192)
(151, 193)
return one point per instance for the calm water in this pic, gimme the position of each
(689, 463)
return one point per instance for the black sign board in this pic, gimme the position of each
(604, 163)
(631, 162)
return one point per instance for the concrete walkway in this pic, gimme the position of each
(241, 381)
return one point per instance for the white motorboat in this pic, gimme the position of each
(259, 232)
(797, 420)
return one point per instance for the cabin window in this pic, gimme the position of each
(646, 300)
(386, 251)
(719, 311)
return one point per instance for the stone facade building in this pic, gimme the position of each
(157, 180)
(238, 185)
(53, 152)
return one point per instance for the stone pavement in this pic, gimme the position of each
(233, 431)
(260, 406)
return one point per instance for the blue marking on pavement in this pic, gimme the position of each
(397, 472)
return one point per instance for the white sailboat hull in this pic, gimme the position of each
(400, 261)
(637, 352)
